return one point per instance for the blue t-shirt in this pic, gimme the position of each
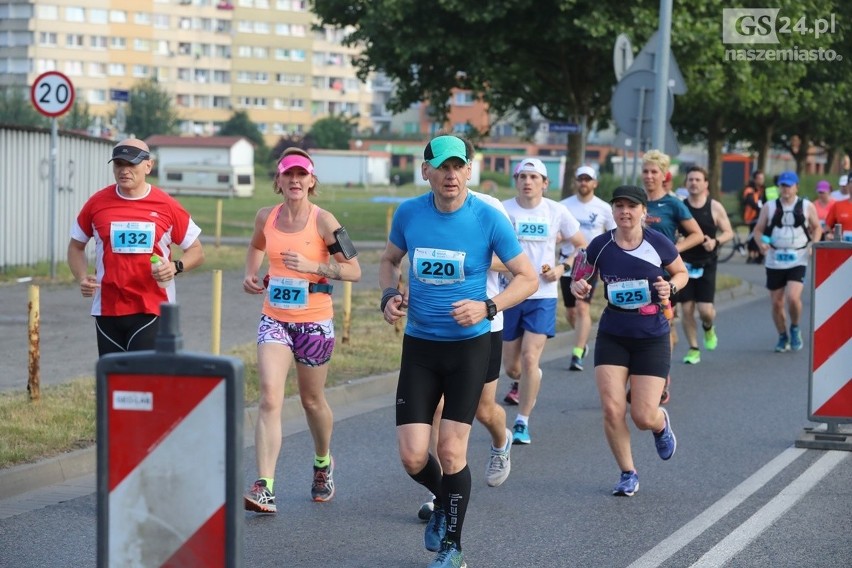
(449, 256)
(629, 275)
(666, 214)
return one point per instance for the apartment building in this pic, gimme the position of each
(212, 56)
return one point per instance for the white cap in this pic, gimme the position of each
(586, 171)
(843, 180)
(532, 165)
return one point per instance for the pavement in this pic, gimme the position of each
(54, 480)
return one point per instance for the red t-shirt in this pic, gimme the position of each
(127, 231)
(840, 212)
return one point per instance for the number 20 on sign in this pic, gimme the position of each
(52, 94)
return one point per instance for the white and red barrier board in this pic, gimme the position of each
(166, 471)
(831, 352)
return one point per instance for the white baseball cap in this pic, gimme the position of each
(531, 165)
(586, 171)
(843, 180)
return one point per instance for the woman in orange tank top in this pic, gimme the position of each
(296, 323)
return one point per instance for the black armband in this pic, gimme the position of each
(387, 294)
(343, 244)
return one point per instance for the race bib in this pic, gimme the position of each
(630, 294)
(694, 271)
(532, 229)
(131, 237)
(288, 293)
(784, 256)
(438, 266)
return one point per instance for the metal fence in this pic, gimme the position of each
(25, 219)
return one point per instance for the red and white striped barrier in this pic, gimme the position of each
(830, 397)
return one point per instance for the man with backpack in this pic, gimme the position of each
(784, 232)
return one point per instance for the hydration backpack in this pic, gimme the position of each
(798, 215)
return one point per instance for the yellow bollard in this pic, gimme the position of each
(216, 311)
(218, 230)
(347, 310)
(34, 331)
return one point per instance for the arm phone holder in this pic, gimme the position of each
(581, 270)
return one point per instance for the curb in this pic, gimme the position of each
(376, 389)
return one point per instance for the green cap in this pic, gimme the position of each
(442, 148)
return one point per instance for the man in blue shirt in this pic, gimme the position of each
(450, 238)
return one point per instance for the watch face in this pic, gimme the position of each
(178, 266)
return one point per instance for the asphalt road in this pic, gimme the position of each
(737, 493)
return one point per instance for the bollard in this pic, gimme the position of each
(218, 229)
(216, 311)
(169, 456)
(347, 311)
(34, 334)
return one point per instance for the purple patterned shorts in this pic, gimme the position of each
(311, 343)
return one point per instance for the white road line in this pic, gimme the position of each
(697, 526)
(735, 542)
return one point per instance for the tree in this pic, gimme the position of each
(78, 118)
(150, 110)
(332, 132)
(551, 55)
(17, 109)
(241, 125)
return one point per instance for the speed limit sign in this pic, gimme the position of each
(52, 94)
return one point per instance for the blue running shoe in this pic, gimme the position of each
(448, 557)
(665, 441)
(783, 343)
(795, 338)
(521, 433)
(576, 363)
(436, 530)
(628, 485)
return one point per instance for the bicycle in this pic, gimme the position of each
(736, 245)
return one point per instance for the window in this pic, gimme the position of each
(263, 4)
(117, 42)
(184, 74)
(183, 100)
(97, 16)
(202, 75)
(47, 12)
(142, 18)
(162, 47)
(282, 29)
(118, 16)
(223, 51)
(297, 55)
(97, 69)
(297, 30)
(463, 98)
(140, 70)
(98, 42)
(74, 40)
(43, 65)
(261, 28)
(75, 14)
(244, 51)
(117, 69)
(243, 77)
(260, 52)
(141, 44)
(161, 21)
(96, 96)
(221, 102)
(221, 77)
(244, 26)
(174, 176)
(47, 39)
(74, 68)
(261, 77)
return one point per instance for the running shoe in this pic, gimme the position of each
(260, 499)
(449, 556)
(521, 433)
(783, 343)
(499, 463)
(513, 397)
(436, 530)
(665, 441)
(323, 486)
(628, 485)
(693, 357)
(795, 339)
(425, 512)
(710, 339)
(576, 363)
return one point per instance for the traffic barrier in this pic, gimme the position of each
(830, 370)
(169, 456)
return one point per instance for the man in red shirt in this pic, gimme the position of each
(130, 221)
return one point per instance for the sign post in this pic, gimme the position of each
(52, 94)
(169, 456)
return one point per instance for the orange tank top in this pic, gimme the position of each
(285, 297)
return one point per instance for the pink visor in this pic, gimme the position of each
(295, 161)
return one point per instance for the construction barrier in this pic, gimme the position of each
(830, 371)
(169, 456)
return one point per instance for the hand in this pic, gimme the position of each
(709, 244)
(395, 309)
(580, 289)
(664, 289)
(251, 285)
(469, 312)
(88, 285)
(297, 262)
(164, 271)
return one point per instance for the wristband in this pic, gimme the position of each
(387, 294)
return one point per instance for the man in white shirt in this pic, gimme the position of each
(843, 189)
(595, 217)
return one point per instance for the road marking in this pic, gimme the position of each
(735, 542)
(697, 526)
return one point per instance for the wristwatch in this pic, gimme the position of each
(178, 266)
(567, 267)
(673, 288)
(492, 309)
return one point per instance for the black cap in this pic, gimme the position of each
(130, 154)
(630, 192)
